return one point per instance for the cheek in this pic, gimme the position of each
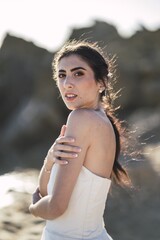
(60, 86)
(91, 85)
(89, 82)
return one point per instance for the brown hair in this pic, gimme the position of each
(93, 55)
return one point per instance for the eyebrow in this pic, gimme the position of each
(73, 69)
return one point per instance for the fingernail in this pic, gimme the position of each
(75, 155)
(72, 140)
(65, 162)
(79, 149)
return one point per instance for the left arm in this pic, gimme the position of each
(43, 208)
(53, 206)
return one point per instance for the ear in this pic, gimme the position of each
(101, 86)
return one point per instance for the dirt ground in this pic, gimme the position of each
(130, 213)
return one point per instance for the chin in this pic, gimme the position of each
(72, 107)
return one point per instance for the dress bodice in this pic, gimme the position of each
(83, 218)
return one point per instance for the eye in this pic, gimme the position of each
(79, 73)
(61, 75)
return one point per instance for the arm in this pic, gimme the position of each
(46, 168)
(62, 149)
(55, 205)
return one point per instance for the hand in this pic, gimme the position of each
(62, 149)
(36, 196)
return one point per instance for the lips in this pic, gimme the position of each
(70, 96)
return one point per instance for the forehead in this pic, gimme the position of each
(72, 61)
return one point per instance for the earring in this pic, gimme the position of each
(101, 90)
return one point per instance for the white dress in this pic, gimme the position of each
(83, 218)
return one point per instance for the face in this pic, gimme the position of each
(77, 84)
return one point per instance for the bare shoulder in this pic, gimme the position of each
(90, 117)
(88, 122)
(80, 119)
(81, 114)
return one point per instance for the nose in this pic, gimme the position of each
(68, 83)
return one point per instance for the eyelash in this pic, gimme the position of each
(61, 75)
(77, 74)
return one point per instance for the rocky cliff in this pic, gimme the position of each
(31, 110)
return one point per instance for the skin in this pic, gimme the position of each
(77, 78)
(62, 143)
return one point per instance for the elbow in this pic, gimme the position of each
(32, 210)
(61, 209)
(56, 209)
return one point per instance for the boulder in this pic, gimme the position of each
(31, 109)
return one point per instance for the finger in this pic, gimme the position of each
(36, 196)
(67, 148)
(63, 129)
(37, 190)
(61, 162)
(63, 139)
(60, 154)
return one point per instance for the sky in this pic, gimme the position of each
(48, 23)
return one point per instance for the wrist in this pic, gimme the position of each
(47, 165)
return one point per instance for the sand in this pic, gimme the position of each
(130, 213)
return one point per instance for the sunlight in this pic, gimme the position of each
(48, 23)
(15, 182)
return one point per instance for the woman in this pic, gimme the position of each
(72, 192)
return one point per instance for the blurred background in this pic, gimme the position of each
(32, 111)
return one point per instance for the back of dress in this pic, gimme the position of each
(83, 218)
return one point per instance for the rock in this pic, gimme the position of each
(31, 110)
(100, 31)
(137, 62)
(152, 153)
(145, 123)
(31, 113)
